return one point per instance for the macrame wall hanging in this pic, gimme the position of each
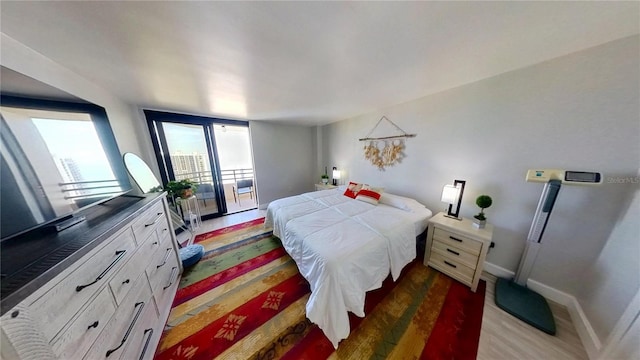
(392, 150)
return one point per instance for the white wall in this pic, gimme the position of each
(577, 112)
(610, 284)
(284, 160)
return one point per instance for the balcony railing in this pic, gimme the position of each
(79, 190)
(229, 176)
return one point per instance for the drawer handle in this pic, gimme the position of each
(450, 264)
(125, 282)
(94, 325)
(120, 254)
(154, 243)
(154, 221)
(146, 343)
(453, 252)
(455, 238)
(166, 257)
(126, 335)
(173, 269)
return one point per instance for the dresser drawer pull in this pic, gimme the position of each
(133, 323)
(166, 257)
(94, 325)
(455, 239)
(155, 220)
(120, 254)
(126, 281)
(146, 343)
(173, 269)
(453, 252)
(450, 264)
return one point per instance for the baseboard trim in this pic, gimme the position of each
(589, 338)
(498, 271)
(585, 331)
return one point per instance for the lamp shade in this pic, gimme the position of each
(336, 173)
(450, 194)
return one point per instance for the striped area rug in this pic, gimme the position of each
(246, 300)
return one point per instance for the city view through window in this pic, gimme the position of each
(190, 160)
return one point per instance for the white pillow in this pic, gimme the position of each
(400, 202)
(368, 196)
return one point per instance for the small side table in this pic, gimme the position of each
(457, 248)
(325, 187)
(190, 211)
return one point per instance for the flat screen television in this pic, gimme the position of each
(57, 158)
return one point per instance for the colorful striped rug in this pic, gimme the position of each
(246, 300)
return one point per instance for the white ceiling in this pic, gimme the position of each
(304, 62)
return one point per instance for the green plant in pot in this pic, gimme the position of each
(182, 188)
(483, 202)
(325, 177)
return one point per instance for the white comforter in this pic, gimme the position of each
(344, 248)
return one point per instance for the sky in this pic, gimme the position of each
(234, 149)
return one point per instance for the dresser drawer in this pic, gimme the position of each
(163, 271)
(78, 337)
(149, 221)
(459, 241)
(452, 267)
(167, 283)
(144, 336)
(455, 253)
(122, 281)
(58, 305)
(117, 332)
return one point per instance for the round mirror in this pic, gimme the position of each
(141, 173)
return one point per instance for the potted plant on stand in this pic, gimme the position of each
(182, 188)
(483, 201)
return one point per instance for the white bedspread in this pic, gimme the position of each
(344, 248)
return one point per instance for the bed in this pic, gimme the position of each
(345, 247)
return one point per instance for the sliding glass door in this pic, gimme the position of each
(236, 166)
(189, 159)
(186, 148)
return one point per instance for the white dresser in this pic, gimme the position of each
(457, 248)
(111, 303)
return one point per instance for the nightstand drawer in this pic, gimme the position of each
(452, 268)
(459, 241)
(455, 253)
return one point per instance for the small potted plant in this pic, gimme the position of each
(182, 188)
(324, 177)
(483, 201)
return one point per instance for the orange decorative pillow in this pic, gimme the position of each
(368, 196)
(352, 189)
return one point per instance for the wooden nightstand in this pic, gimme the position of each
(325, 187)
(457, 248)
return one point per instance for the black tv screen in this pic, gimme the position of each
(56, 159)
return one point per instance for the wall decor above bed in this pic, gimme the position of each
(391, 152)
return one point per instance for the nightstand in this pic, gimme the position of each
(456, 248)
(325, 187)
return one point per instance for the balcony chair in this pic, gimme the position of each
(242, 187)
(205, 192)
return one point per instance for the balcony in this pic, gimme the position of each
(206, 194)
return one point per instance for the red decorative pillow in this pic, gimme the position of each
(352, 189)
(368, 196)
